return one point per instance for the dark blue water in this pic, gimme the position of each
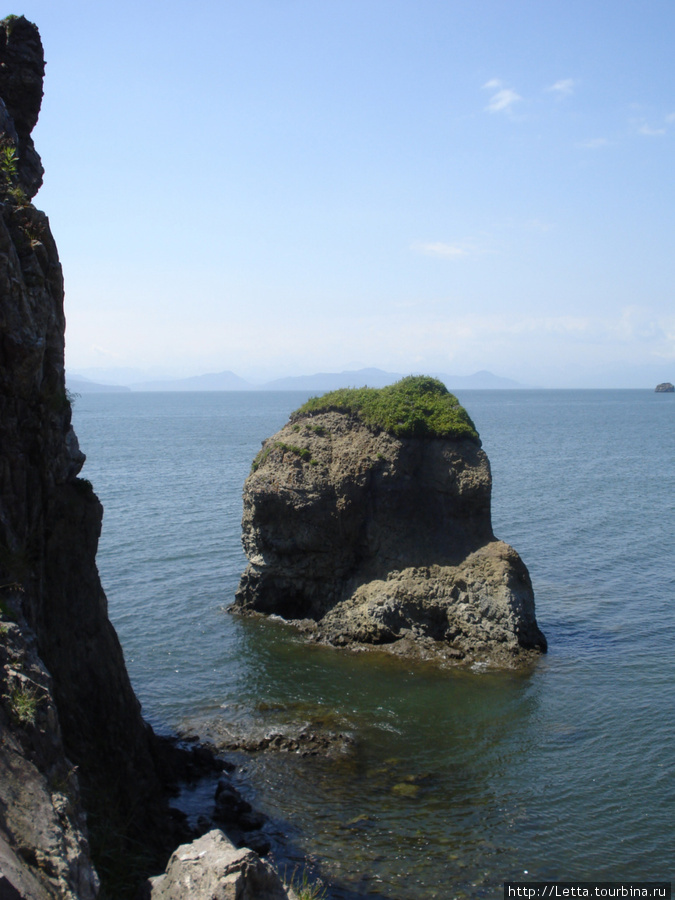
(457, 780)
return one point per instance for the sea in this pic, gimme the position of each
(453, 781)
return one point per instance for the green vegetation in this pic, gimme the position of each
(23, 704)
(302, 452)
(9, 160)
(260, 458)
(10, 189)
(317, 429)
(304, 889)
(416, 406)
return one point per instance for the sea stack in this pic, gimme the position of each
(367, 523)
(665, 388)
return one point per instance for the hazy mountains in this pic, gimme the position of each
(320, 381)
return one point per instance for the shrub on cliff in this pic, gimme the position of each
(416, 406)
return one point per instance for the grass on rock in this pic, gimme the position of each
(416, 406)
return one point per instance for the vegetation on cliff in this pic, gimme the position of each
(416, 406)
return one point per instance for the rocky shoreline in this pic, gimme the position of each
(86, 786)
(88, 792)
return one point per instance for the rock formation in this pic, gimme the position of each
(79, 768)
(69, 718)
(665, 388)
(367, 522)
(211, 868)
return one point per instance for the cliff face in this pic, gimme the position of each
(51, 598)
(383, 539)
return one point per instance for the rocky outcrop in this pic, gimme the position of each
(22, 68)
(44, 851)
(665, 388)
(70, 719)
(364, 537)
(212, 868)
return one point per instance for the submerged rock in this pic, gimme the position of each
(367, 522)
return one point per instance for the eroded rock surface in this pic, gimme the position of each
(363, 538)
(212, 868)
(68, 715)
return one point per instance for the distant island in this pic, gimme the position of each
(665, 388)
(319, 381)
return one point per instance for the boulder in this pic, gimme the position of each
(212, 868)
(367, 534)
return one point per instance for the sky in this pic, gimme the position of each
(281, 187)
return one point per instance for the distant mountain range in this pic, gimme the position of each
(320, 382)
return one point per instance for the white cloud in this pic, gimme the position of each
(649, 131)
(563, 88)
(439, 249)
(503, 99)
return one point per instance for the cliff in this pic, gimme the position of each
(69, 717)
(367, 522)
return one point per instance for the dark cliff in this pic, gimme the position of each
(368, 519)
(51, 598)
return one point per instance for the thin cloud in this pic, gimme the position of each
(503, 99)
(594, 143)
(440, 250)
(648, 131)
(563, 88)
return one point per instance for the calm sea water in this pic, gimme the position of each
(458, 780)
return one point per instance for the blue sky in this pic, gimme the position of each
(288, 186)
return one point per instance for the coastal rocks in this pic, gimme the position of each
(373, 531)
(22, 68)
(212, 868)
(665, 388)
(76, 738)
(44, 852)
(302, 729)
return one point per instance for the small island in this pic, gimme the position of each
(665, 388)
(367, 524)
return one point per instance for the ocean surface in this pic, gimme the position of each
(456, 780)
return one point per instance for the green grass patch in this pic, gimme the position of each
(303, 452)
(23, 704)
(304, 888)
(416, 406)
(317, 429)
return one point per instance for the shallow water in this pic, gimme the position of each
(456, 780)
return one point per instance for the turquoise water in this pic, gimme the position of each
(456, 780)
